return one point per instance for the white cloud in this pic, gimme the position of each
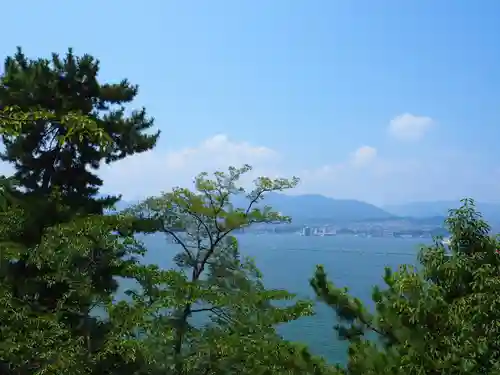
(368, 177)
(366, 173)
(217, 151)
(363, 156)
(154, 171)
(409, 127)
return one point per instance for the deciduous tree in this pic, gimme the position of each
(441, 317)
(212, 314)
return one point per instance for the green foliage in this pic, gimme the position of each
(34, 328)
(74, 125)
(55, 147)
(58, 258)
(212, 314)
(442, 318)
(12, 120)
(60, 255)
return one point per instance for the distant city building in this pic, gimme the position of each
(306, 231)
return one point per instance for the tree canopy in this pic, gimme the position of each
(58, 125)
(438, 318)
(60, 87)
(62, 256)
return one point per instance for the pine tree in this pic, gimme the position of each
(60, 86)
(33, 337)
(55, 157)
(439, 318)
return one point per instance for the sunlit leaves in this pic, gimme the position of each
(59, 256)
(216, 314)
(75, 125)
(441, 318)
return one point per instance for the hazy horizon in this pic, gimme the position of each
(386, 207)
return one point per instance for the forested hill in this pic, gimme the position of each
(490, 211)
(306, 208)
(314, 208)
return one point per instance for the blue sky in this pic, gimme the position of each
(385, 101)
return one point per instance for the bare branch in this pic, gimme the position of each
(200, 221)
(179, 241)
(255, 199)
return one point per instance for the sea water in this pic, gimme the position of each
(288, 261)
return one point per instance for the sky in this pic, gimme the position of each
(383, 101)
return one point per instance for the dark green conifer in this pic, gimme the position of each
(57, 184)
(63, 85)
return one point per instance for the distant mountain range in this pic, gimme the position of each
(312, 209)
(490, 211)
(317, 209)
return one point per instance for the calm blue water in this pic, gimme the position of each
(288, 261)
